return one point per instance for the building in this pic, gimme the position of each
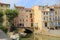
(25, 17)
(16, 22)
(4, 6)
(46, 17)
(40, 17)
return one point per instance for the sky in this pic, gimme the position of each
(29, 3)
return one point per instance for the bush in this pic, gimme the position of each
(12, 28)
(4, 29)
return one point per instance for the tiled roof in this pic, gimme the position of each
(19, 6)
(4, 3)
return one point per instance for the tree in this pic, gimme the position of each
(1, 21)
(1, 17)
(11, 14)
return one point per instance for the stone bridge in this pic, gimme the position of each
(24, 28)
(29, 28)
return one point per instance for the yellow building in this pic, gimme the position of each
(37, 17)
(46, 17)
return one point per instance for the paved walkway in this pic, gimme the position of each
(52, 33)
(46, 31)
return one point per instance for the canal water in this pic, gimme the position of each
(41, 37)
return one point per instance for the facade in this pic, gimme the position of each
(4, 6)
(25, 17)
(37, 17)
(40, 17)
(16, 22)
(46, 17)
(57, 16)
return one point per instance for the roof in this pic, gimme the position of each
(3, 35)
(45, 11)
(4, 4)
(19, 6)
(28, 9)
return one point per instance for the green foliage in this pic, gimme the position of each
(1, 19)
(4, 29)
(1, 16)
(1, 13)
(11, 14)
(12, 28)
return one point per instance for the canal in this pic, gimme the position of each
(41, 37)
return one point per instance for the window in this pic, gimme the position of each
(55, 13)
(51, 13)
(31, 20)
(1, 5)
(31, 24)
(21, 24)
(6, 5)
(21, 16)
(50, 19)
(20, 19)
(26, 20)
(45, 18)
(51, 9)
(51, 24)
(26, 16)
(28, 10)
(44, 13)
(58, 23)
(58, 18)
(30, 15)
(23, 20)
(45, 24)
(41, 8)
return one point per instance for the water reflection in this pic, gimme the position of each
(41, 37)
(45, 37)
